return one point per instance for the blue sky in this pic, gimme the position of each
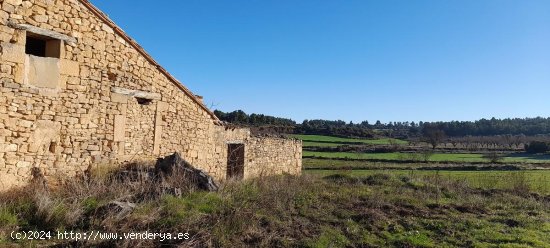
(352, 59)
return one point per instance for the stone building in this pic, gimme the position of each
(76, 92)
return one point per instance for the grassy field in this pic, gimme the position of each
(329, 141)
(437, 157)
(521, 179)
(534, 180)
(320, 144)
(337, 210)
(309, 163)
(332, 164)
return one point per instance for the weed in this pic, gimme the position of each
(378, 209)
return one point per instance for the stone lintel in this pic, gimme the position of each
(40, 31)
(136, 93)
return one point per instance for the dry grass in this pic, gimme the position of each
(340, 210)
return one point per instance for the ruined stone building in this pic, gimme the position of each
(76, 91)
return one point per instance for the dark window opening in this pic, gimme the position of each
(36, 47)
(52, 147)
(42, 47)
(143, 101)
(235, 161)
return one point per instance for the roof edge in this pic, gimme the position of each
(134, 44)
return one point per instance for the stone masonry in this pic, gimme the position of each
(77, 92)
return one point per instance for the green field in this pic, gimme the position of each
(309, 163)
(336, 164)
(536, 180)
(438, 157)
(320, 144)
(364, 164)
(329, 141)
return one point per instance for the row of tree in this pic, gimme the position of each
(404, 130)
(257, 120)
(489, 127)
(334, 128)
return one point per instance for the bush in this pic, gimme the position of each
(494, 157)
(536, 147)
(427, 154)
(342, 178)
(377, 179)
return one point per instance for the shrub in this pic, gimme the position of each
(494, 157)
(410, 156)
(536, 147)
(377, 179)
(342, 178)
(518, 182)
(427, 154)
(7, 217)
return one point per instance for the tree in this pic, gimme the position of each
(433, 135)
(536, 147)
(494, 157)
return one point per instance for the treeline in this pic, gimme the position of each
(404, 130)
(335, 128)
(257, 120)
(485, 127)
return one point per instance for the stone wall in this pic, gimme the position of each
(268, 156)
(102, 100)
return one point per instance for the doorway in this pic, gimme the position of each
(235, 161)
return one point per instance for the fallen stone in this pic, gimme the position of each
(175, 163)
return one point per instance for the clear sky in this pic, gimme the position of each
(352, 59)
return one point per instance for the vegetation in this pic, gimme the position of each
(395, 150)
(433, 136)
(485, 127)
(321, 140)
(536, 147)
(435, 157)
(346, 164)
(335, 128)
(509, 129)
(531, 180)
(493, 157)
(240, 117)
(329, 210)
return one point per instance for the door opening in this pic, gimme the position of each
(235, 161)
